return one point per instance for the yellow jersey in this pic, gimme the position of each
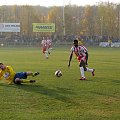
(7, 74)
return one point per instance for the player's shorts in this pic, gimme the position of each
(81, 58)
(21, 75)
(44, 49)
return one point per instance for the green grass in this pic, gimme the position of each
(65, 98)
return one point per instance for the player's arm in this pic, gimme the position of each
(70, 58)
(1, 75)
(42, 43)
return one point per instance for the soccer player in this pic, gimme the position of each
(86, 52)
(80, 43)
(10, 76)
(44, 47)
(49, 45)
(80, 53)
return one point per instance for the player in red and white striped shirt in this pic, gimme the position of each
(49, 45)
(81, 55)
(86, 52)
(44, 47)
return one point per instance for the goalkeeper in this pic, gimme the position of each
(10, 76)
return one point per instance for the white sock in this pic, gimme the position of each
(82, 72)
(46, 54)
(49, 50)
(89, 70)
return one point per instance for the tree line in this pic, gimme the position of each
(102, 20)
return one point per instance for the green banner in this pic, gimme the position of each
(43, 27)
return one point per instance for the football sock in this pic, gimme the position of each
(49, 50)
(25, 81)
(82, 72)
(46, 54)
(89, 70)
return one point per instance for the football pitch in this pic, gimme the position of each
(64, 98)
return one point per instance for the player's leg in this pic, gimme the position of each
(49, 49)
(46, 54)
(45, 51)
(86, 58)
(86, 68)
(30, 73)
(19, 81)
(22, 76)
(82, 63)
(91, 70)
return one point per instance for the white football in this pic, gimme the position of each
(58, 73)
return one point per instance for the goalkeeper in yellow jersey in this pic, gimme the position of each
(10, 76)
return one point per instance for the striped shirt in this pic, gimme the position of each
(85, 49)
(78, 50)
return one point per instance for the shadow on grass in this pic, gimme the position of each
(56, 93)
(105, 94)
(116, 81)
(62, 94)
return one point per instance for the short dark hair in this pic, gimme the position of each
(1, 63)
(75, 41)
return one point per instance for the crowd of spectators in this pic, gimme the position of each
(15, 40)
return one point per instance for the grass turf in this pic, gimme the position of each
(64, 98)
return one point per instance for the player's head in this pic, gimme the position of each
(75, 43)
(2, 66)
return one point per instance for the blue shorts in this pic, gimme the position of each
(21, 75)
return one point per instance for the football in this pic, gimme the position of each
(58, 73)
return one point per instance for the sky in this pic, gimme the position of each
(48, 3)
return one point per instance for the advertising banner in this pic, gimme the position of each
(9, 27)
(43, 27)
